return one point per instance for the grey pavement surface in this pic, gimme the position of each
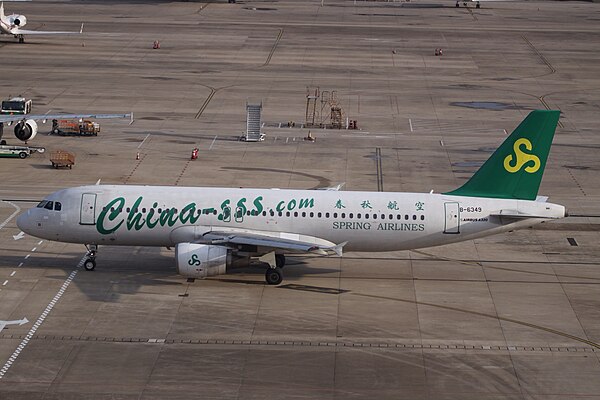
(514, 316)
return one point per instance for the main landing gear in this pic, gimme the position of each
(21, 38)
(274, 274)
(89, 262)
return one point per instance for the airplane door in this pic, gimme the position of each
(239, 214)
(87, 214)
(452, 223)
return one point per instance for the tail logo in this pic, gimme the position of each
(522, 158)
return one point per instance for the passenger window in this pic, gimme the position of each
(49, 205)
(422, 218)
(160, 211)
(343, 215)
(398, 216)
(264, 213)
(280, 214)
(351, 215)
(303, 214)
(374, 216)
(414, 217)
(326, 215)
(272, 213)
(406, 217)
(312, 214)
(295, 213)
(287, 214)
(366, 216)
(319, 215)
(358, 215)
(334, 215)
(144, 210)
(57, 206)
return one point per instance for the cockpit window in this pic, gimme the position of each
(49, 205)
(42, 204)
(57, 206)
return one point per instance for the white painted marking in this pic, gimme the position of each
(27, 256)
(11, 216)
(19, 236)
(410, 123)
(442, 143)
(5, 282)
(20, 265)
(213, 142)
(40, 242)
(141, 144)
(287, 139)
(40, 320)
(34, 249)
(13, 273)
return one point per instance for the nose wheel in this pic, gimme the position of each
(89, 263)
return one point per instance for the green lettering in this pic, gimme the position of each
(307, 203)
(134, 220)
(257, 203)
(151, 224)
(224, 207)
(280, 206)
(189, 214)
(118, 204)
(291, 205)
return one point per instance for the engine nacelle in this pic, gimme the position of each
(26, 130)
(18, 20)
(201, 260)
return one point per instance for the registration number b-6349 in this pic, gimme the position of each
(470, 209)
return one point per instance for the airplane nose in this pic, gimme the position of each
(24, 221)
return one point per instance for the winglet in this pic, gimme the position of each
(2, 16)
(338, 248)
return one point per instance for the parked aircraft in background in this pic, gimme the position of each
(211, 228)
(26, 126)
(13, 25)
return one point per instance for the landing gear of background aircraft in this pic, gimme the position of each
(457, 4)
(477, 5)
(21, 38)
(279, 260)
(274, 276)
(90, 257)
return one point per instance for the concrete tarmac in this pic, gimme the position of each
(513, 316)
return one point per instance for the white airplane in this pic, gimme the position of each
(13, 25)
(26, 127)
(210, 228)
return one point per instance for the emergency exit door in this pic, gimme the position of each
(87, 214)
(452, 224)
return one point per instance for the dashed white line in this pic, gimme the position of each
(410, 123)
(141, 144)
(40, 320)
(5, 282)
(34, 249)
(27, 256)
(20, 265)
(13, 273)
(40, 242)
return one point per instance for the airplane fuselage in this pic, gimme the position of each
(368, 221)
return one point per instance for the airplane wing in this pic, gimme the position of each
(254, 239)
(28, 32)
(516, 214)
(45, 117)
(234, 237)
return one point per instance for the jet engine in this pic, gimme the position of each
(201, 260)
(26, 130)
(18, 20)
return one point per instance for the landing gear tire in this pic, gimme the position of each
(274, 276)
(280, 260)
(89, 264)
(21, 39)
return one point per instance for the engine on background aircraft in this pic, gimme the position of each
(26, 130)
(202, 260)
(18, 20)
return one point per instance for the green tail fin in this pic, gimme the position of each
(515, 169)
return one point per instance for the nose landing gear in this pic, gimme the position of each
(89, 262)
